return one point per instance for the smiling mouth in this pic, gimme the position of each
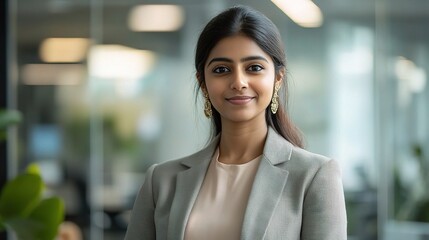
(239, 100)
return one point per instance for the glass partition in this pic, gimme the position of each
(403, 97)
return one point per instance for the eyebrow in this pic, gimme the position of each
(245, 59)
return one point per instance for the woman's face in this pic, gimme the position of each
(239, 79)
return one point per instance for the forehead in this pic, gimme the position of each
(237, 47)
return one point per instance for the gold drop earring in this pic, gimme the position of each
(207, 106)
(275, 99)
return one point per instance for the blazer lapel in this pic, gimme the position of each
(266, 192)
(188, 185)
(267, 188)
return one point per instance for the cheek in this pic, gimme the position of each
(214, 90)
(214, 86)
(265, 87)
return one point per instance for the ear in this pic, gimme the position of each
(201, 83)
(279, 77)
(198, 77)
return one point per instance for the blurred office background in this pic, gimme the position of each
(106, 88)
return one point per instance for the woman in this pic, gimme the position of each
(253, 181)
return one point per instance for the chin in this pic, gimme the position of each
(240, 117)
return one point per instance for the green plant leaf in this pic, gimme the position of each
(24, 228)
(20, 195)
(33, 168)
(50, 213)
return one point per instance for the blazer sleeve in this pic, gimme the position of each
(324, 213)
(142, 225)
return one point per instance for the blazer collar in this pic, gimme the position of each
(276, 150)
(268, 186)
(266, 192)
(188, 185)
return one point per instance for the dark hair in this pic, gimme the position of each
(253, 24)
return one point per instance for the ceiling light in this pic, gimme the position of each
(119, 62)
(64, 49)
(305, 13)
(413, 76)
(53, 74)
(156, 18)
(403, 68)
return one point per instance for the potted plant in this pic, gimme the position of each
(24, 211)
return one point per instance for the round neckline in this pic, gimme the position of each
(232, 165)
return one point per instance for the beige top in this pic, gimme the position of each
(219, 209)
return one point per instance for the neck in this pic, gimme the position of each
(240, 143)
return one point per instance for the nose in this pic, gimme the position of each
(239, 81)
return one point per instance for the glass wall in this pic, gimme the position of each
(403, 98)
(105, 96)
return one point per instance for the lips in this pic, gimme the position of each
(239, 100)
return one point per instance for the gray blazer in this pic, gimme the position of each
(295, 195)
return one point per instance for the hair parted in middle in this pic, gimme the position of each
(246, 21)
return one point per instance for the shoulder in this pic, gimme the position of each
(307, 159)
(306, 166)
(172, 167)
(162, 176)
(168, 168)
(303, 166)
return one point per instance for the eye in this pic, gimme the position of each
(220, 69)
(255, 68)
